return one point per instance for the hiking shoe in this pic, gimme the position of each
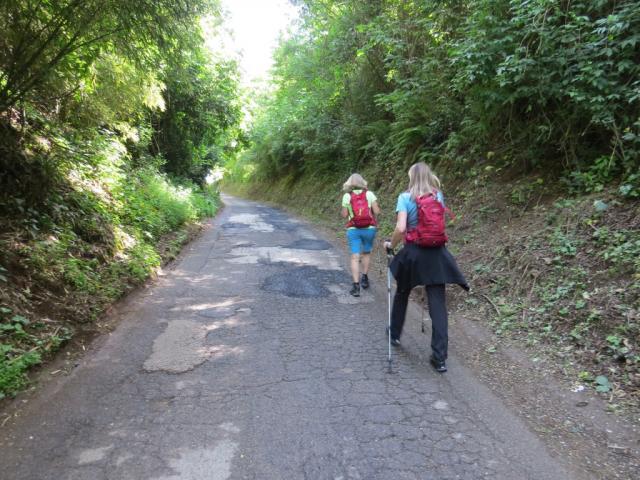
(364, 281)
(394, 341)
(355, 290)
(439, 365)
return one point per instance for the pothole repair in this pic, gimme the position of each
(279, 220)
(179, 348)
(183, 346)
(304, 282)
(310, 244)
(322, 260)
(251, 221)
(203, 464)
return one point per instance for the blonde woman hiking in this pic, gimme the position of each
(424, 258)
(360, 207)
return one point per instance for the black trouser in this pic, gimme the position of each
(437, 311)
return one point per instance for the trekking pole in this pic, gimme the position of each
(389, 257)
(424, 301)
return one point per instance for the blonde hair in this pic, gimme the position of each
(354, 182)
(422, 180)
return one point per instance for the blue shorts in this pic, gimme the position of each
(361, 239)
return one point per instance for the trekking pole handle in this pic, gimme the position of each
(388, 249)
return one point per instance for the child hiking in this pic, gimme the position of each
(424, 259)
(360, 207)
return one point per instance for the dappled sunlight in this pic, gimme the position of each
(220, 351)
(183, 344)
(222, 304)
(231, 322)
(201, 464)
(252, 221)
(125, 242)
(188, 277)
(323, 260)
(217, 309)
(209, 279)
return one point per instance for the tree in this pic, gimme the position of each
(57, 40)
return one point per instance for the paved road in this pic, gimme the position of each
(247, 360)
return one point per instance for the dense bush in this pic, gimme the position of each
(112, 113)
(83, 247)
(537, 84)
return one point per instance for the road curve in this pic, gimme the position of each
(247, 359)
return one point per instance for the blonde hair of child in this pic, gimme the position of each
(354, 182)
(422, 180)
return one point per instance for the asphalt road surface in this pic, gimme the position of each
(248, 359)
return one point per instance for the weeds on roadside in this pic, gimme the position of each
(98, 233)
(571, 282)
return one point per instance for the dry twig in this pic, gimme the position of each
(488, 300)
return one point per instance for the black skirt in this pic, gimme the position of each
(414, 266)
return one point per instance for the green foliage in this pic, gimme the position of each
(522, 193)
(13, 368)
(621, 248)
(563, 244)
(560, 78)
(196, 129)
(49, 47)
(112, 114)
(154, 206)
(143, 258)
(113, 211)
(602, 384)
(119, 93)
(594, 179)
(21, 348)
(88, 243)
(630, 188)
(140, 71)
(547, 85)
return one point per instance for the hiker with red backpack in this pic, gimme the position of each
(424, 258)
(360, 207)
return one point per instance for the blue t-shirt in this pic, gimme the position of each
(406, 204)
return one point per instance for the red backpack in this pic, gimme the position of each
(430, 230)
(362, 217)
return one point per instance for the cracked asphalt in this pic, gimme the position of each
(247, 359)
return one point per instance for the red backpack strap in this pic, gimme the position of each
(447, 210)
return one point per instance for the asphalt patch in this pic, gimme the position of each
(278, 220)
(304, 282)
(310, 244)
(236, 227)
